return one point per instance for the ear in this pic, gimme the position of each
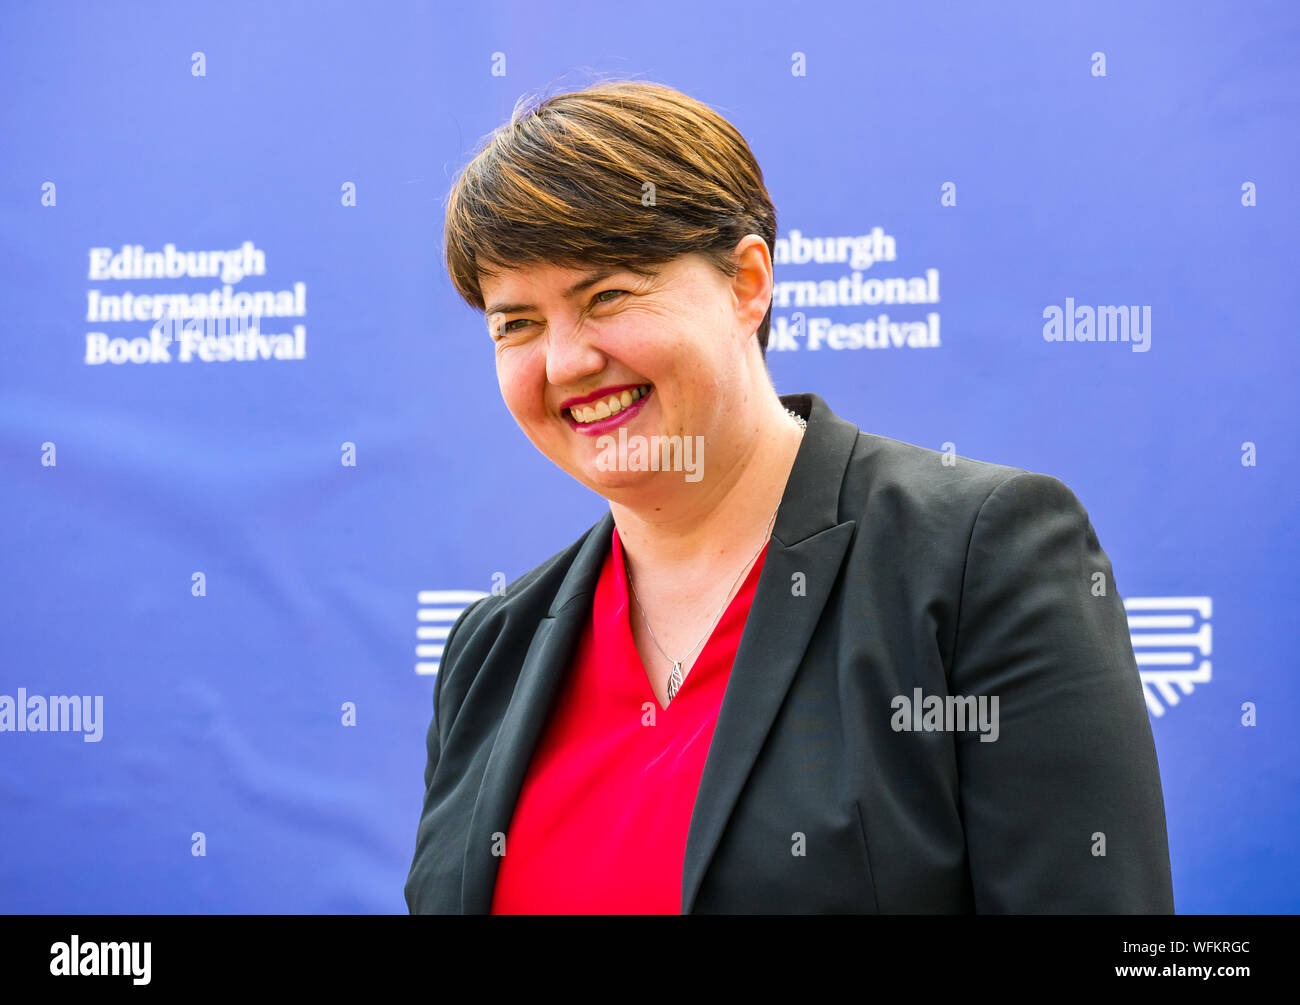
(751, 287)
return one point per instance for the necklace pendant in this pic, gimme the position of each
(674, 680)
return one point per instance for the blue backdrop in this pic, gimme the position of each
(246, 565)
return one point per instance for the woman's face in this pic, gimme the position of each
(570, 338)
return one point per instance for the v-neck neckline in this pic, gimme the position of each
(624, 596)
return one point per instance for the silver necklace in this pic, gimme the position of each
(676, 678)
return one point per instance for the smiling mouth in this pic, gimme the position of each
(595, 411)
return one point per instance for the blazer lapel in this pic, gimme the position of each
(545, 667)
(807, 538)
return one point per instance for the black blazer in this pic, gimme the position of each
(888, 571)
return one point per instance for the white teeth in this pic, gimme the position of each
(612, 405)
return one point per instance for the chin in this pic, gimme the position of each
(612, 483)
(613, 479)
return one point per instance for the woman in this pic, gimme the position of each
(797, 668)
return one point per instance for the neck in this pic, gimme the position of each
(721, 519)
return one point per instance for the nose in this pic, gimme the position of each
(571, 357)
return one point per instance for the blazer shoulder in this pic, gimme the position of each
(933, 479)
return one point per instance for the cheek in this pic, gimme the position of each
(508, 380)
(521, 378)
(645, 340)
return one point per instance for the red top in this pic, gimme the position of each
(601, 822)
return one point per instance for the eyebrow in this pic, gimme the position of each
(591, 279)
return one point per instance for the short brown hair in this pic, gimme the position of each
(622, 173)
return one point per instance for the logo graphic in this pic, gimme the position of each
(438, 611)
(1171, 640)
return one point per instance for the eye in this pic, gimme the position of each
(498, 329)
(508, 328)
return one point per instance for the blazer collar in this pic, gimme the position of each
(807, 539)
